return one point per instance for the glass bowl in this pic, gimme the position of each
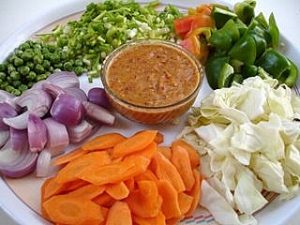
(165, 96)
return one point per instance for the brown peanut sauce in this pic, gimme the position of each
(152, 75)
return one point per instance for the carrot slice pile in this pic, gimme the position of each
(114, 180)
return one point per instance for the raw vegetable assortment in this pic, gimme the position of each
(248, 136)
(117, 180)
(44, 120)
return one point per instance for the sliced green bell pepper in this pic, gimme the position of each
(221, 15)
(244, 50)
(274, 31)
(213, 69)
(249, 70)
(245, 10)
(225, 73)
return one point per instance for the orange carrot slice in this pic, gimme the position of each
(185, 202)
(103, 142)
(104, 212)
(170, 205)
(68, 173)
(166, 151)
(130, 184)
(194, 156)
(119, 214)
(68, 210)
(135, 143)
(89, 191)
(116, 172)
(104, 200)
(147, 175)
(68, 157)
(195, 192)
(50, 187)
(165, 170)
(173, 221)
(76, 184)
(147, 152)
(160, 219)
(118, 191)
(145, 201)
(181, 160)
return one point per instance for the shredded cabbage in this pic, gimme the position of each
(249, 139)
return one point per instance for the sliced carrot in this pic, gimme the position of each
(103, 142)
(159, 138)
(166, 151)
(118, 191)
(89, 191)
(165, 170)
(181, 160)
(50, 187)
(170, 205)
(130, 183)
(147, 175)
(135, 143)
(68, 173)
(147, 152)
(116, 172)
(69, 210)
(73, 185)
(104, 200)
(68, 157)
(119, 214)
(195, 192)
(160, 219)
(104, 212)
(185, 202)
(145, 201)
(194, 156)
(173, 221)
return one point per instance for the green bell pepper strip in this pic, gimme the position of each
(224, 78)
(237, 78)
(213, 69)
(224, 38)
(245, 10)
(244, 50)
(241, 26)
(221, 15)
(249, 71)
(290, 77)
(260, 18)
(274, 31)
(274, 63)
(261, 44)
(236, 64)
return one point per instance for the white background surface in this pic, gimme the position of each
(15, 13)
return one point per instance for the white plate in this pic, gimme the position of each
(20, 197)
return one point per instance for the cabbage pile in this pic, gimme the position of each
(249, 139)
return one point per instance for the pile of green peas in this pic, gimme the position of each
(33, 61)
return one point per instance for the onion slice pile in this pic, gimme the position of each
(64, 79)
(98, 113)
(18, 139)
(57, 133)
(37, 133)
(6, 111)
(98, 96)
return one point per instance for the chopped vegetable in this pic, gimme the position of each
(232, 130)
(126, 186)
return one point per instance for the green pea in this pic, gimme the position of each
(41, 77)
(58, 65)
(31, 76)
(19, 52)
(78, 62)
(68, 66)
(9, 88)
(27, 55)
(46, 64)
(15, 75)
(10, 68)
(18, 61)
(2, 67)
(51, 69)
(51, 48)
(39, 68)
(16, 92)
(11, 59)
(79, 70)
(30, 65)
(16, 83)
(24, 70)
(30, 84)
(37, 59)
(2, 75)
(9, 79)
(23, 87)
(64, 55)
(54, 58)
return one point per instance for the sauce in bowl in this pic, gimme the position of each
(147, 80)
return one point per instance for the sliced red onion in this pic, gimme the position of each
(4, 135)
(18, 122)
(43, 164)
(64, 79)
(6, 111)
(8, 98)
(16, 164)
(79, 132)
(53, 89)
(57, 134)
(77, 93)
(98, 113)
(40, 84)
(67, 110)
(18, 139)
(98, 96)
(57, 150)
(37, 133)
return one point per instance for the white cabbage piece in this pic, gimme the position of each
(290, 131)
(221, 209)
(209, 132)
(270, 172)
(246, 195)
(292, 159)
(240, 155)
